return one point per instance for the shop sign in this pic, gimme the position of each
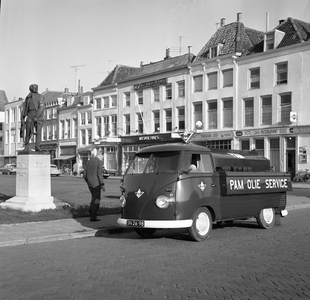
(149, 84)
(271, 131)
(239, 133)
(149, 138)
(207, 136)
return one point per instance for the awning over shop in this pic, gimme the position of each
(86, 149)
(65, 157)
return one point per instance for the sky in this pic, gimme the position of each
(57, 43)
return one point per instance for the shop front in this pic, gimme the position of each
(218, 140)
(285, 147)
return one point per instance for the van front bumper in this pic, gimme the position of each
(156, 223)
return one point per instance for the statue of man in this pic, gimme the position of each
(33, 115)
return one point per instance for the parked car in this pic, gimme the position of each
(54, 170)
(8, 169)
(105, 173)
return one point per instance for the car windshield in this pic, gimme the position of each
(164, 162)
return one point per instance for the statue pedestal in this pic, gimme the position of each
(33, 183)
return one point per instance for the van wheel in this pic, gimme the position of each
(266, 218)
(202, 225)
(145, 232)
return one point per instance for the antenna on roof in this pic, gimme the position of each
(76, 67)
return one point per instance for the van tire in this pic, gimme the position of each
(266, 218)
(202, 225)
(145, 232)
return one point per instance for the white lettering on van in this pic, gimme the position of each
(236, 184)
(253, 184)
(276, 183)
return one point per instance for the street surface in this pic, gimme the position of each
(238, 261)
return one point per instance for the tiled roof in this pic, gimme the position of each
(121, 72)
(3, 100)
(234, 37)
(296, 31)
(50, 96)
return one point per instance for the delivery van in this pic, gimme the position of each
(193, 187)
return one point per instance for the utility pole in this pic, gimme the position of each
(76, 67)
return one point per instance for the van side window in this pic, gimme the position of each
(207, 163)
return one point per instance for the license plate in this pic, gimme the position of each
(137, 223)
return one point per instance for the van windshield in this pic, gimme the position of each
(164, 162)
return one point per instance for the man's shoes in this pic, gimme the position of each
(95, 220)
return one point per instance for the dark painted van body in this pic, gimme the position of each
(190, 186)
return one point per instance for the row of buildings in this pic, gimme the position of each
(249, 89)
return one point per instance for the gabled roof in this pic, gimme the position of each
(121, 72)
(3, 100)
(296, 32)
(50, 96)
(234, 37)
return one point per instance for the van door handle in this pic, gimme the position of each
(213, 185)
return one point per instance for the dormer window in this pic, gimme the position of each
(216, 50)
(272, 39)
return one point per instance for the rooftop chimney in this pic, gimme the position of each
(66, 90)
(141, 63)
(239, 17)
(223, 22)
(167, 53)
(281, 21)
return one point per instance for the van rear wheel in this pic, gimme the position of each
(145, 232)
(202, 225)
(266, 218)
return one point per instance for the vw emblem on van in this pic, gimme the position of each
(202, 186)
(139, 193)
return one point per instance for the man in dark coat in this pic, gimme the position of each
(94, 179)
(33, 114)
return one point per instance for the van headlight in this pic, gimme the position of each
(163, 201)
(122, 200)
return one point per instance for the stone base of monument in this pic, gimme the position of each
(33, 184)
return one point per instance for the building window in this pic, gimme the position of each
(127, 99)
(54, 113)
(127, 124)
(228, 78)
(89, 135)
(106, 102)
(266, 110)
(197, 112)
(181, 116)
(1, 126)
(140, 97)
(156, 94)
(169, 91)
(114, 125)
(83, 119)
(106, 127)
(98, 103)
(140, 122)
(212, 81)
(227, 113)
(281, 73)
(7, 115)
(197, 83)
(114, 101)
(54, 132)
(285, 108)
(48, 113)
(68, 129)
(74, 128)
(255, 78)
(212, 115)
(83, 138)
(89, 118)
(216, 50)
(98, 126)
(259, 146)
(219, 144)
(62, 128)
(14, 111)
(85, 100)
(156, 121)
(181, 89)
(248, 112)
(44, 133)
(269, 40)
(245, 144)
(168, 119)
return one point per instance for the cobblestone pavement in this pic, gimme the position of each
(238, 261)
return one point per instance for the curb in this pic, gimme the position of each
(90, 233)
